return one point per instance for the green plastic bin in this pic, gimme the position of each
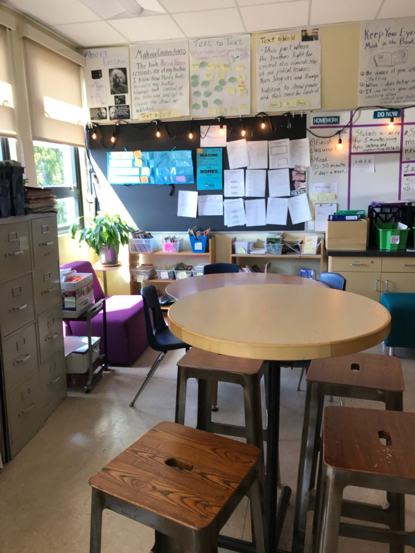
(390, 238)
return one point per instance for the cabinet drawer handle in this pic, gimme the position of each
(408, 265)
(56, 380)
(22, 359)
(45, 244)
(376, 285)
(18, 252)
(24, 306)
(51, 336)
(49, 291)
(386, 285)
(27, 410)
(356, 263)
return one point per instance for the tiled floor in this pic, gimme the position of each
(44, 492)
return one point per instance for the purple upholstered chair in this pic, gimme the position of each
(126, 330)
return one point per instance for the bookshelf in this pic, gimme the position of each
(236, 257)
(167, 259)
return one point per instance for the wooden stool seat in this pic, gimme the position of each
(352, 441)
(182, 482)
(197, 358)
(364, 370)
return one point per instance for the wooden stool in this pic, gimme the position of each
(372, 449)
(360, 376)
(209, 367)
(183, 483)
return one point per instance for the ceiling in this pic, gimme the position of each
(105, 22)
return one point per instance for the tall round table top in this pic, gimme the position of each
(279, 322)
(187, 286)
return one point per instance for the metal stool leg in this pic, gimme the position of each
(253, 413)
(181, 396)
(300, 379)
(258, 517)
(96, 521)
(153, 369)
(397, 517)
(317, 442)
(204, 413)
(329, 516)
(310, 430)
(165, 544)
(215, 396)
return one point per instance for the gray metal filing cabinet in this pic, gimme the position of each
(32, 354)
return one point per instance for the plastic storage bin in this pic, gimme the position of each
(77, 353)
(243, 246)
(183, 274)
(165, 274)
(198, 270)
(173, 247)
(143, 245)
(143, 273)
(391, 238)
(199, 244)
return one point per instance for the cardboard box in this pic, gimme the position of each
(347, 235)
(77, 353)
(78, 295)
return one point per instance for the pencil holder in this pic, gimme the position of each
(199, 244)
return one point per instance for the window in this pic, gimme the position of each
(58, 167)
(8, 148)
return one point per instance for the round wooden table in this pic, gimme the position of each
(278, 322)
(187, 286)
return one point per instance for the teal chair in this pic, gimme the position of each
(402, 310)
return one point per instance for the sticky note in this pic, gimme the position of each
(220, 66)
(289, 103)
(211, 66)
(243, 108)
(274, 104)
(138, 162)
(242, 91)
(209, 77)
(222, 111)
(195, 66)
(145, 171)
(230, 90)
(233, 111)
(241, 77)
(212, 111)
(227, 66)
(144, 180)
(303, 102)
(137, 154)
(240, 67)
(221, 75)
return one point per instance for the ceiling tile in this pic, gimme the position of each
(178, 6)
(153, 5)
(105, 8)
(397, 8)
(327, 11)
(258, 2)
(97, 33)
(210, 23)
(275, 16)
(54, 12)
(155, 27)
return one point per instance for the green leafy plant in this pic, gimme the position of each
(102, 231)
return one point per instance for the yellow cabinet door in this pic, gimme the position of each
(398, 282)
(364, 284)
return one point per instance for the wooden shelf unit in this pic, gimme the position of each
(234, 257)
(139, 258)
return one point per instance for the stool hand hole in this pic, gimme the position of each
(179, 465)
(355, 367)
(384, 437)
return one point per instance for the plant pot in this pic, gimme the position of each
(108, 256)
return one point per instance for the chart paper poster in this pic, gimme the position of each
(387, 62)
(288, 70)
(160, 79)
(175, 167)
(220, 76)
(209, 169)
(107, 83)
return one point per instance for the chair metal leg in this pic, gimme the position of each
(300, 379)
(97, 507)
(153, 369)
(181, 396)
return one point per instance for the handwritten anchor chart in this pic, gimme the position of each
(387, 62)
(220, 76)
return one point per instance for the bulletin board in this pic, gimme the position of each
(154, 208)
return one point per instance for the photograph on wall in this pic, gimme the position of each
(107, 83)
(220, 76)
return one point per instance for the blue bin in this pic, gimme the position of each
(199, 243)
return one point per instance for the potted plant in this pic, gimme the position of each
(104, 234)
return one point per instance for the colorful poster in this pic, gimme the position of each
(160, 79)
(387, 62)
(220, 76)
(288, 70)
(108, 83)
(171, 167)
(209, 169)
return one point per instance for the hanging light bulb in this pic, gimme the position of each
(190, 135)
(243, 131)
(263, 124)
(289, 121)
(113, 139)
(391, 122)
(94, 135)
(158, 133)
(339, 145)
(114, 136)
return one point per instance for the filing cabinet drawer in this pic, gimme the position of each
(47, 288)
(50, 333)
(14, 250)
(361, 264)
(19, 356)
(16, 305)
(398, 265)
(45, 241)
(53, 376)
(25, 412)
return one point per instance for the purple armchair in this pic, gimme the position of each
(126, 331)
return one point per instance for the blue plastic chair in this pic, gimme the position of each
(333, 280)
(215, 268)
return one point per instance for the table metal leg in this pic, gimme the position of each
(104, 274)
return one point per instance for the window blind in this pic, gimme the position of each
(7, 120)
(54, 84)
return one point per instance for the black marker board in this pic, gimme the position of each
(150, 205)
